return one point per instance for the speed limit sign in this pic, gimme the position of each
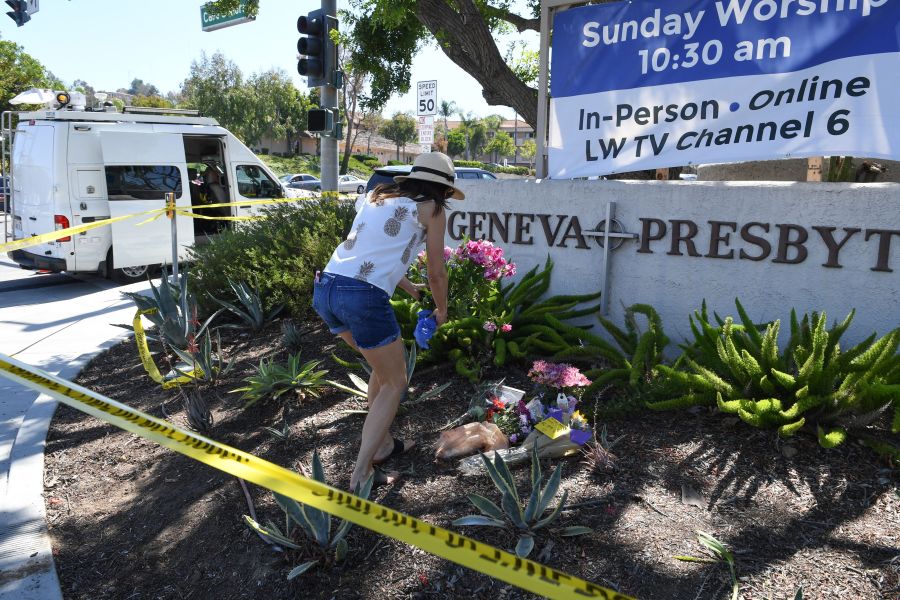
(427, 98)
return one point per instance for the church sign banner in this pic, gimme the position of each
(642, 85)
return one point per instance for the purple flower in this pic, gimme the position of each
(489, 326)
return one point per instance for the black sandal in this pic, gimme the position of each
(399, 448)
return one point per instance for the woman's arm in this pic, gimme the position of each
(435, 227)
(411, 288)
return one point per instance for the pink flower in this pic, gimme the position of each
(448, 252)
(506, 328)
(489, 326)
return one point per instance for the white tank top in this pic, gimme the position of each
(384, 240)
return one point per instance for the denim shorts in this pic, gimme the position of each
(365, 310)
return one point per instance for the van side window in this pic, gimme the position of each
(253, 182)
(142, 182)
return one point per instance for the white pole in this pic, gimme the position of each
(170, 202)
(541, 133)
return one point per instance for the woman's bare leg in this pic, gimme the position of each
(387, 444)
(387, 365)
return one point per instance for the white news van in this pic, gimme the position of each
(70, 167)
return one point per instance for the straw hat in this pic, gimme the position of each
(435, 167)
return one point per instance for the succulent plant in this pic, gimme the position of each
(314, 523)
(526, 519)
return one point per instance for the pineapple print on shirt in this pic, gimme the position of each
(365, 269)
(351, 239)
(404, 258)
(392, 225)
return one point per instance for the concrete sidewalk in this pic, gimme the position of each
(56, 323)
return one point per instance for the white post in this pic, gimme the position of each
(170, 204)
(543, 65)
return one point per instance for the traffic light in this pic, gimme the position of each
(320, 120)
(318, 54)
(19, 12)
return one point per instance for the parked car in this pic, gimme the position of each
(294, 177)
(351, 184)
(387, 174)
(305, 182)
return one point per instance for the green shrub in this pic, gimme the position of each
(512, 170)
(469, 163)
(364, 157)
(740, 369)
(396, 163)
(373, 163)
(281, 252)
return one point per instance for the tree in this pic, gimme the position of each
(151, 101)
(390, 32)
(400, 129)
(478, 137)
(20, 72)
(272, 106)
(355, 82)
(369, 124)
(463, 30)
(466, 121)
(446, 109)
(528, 150)
(456, 142)
(139, 88)
(501, 145)
(214, 88)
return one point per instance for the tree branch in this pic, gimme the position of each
(519, 22)
(465, 38)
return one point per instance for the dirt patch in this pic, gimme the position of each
(129, 519)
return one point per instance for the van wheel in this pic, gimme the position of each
(360, 189)
(127, 274)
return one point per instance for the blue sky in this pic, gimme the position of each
(110, 42)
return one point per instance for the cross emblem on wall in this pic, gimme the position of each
(611, 235)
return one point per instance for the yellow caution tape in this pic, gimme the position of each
(140, 338)
(68, 231)
(157, 213)
(526, 574)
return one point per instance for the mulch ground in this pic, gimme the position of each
(131, 520)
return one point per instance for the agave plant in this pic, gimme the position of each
(204, 365)
(274, 380)
(527, 519)
(173, 309)
(291, 336)
(314, 523)
(253, 314)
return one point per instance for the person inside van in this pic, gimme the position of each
(213, 192)
(194, 186)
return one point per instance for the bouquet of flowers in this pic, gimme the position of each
(519, 419)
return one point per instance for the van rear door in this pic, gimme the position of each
(140, 168)
(33, 190)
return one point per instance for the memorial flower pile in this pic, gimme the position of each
(517, 419)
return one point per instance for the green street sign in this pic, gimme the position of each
(209, 22)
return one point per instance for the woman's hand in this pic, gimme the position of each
(416, 290)
(440, 317)
(413, 289)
